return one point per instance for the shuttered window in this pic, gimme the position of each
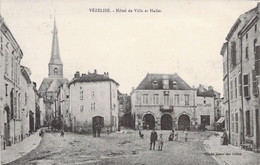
(233, 54)
(255, 88)
(246, 86)
(248, 130)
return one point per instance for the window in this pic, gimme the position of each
(6, 93)
(93, 106)
(247, 52)
(155, 99)
(166, 99)
(255, 46)
(6, 63)
(248, 130)
(235, 81)
(174, 85)
(187, 99)
(176, 99)
(55, 71)
(25, 98)
(81, 108)
(12, 68)
(254, 81)
(231, 89)
(236, 122)
(240, 84)
(233, 54)
(232, 123)
(155, 84)
(205, 120)
(92, 94)
(246, 86)
(246, 36)
(1, 39)
(145, 99)
(81, 93)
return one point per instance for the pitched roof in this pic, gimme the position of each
(92, 77)
(203, 92)
(147, 82)
(51, 84)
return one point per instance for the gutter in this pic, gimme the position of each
(229, 132)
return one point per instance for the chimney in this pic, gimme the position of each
(77, 74)
(35, 85)
(133, 88)
(83, 74)
(95, 71)
(210, 88)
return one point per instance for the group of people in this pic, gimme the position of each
(154, 138)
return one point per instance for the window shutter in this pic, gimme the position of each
(257, 60)
(255, 89)
(246, 86)
(251, 123)
(240, 84)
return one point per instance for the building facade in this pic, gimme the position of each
(63, 103)
(16, 91)
(163, 101)
(241, 65)
(49, 88)
(93, 101)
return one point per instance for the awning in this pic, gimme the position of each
(221, 119)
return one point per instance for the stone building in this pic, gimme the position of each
(49, 88)
(63, 103)
(93, 101)
(16, 89)
(163, 101)
(207, 107)
(241, 66)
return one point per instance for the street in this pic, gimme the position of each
(118, 148)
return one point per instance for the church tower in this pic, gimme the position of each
(55, 64)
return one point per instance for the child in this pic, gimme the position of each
(186, 135)
(160, 143)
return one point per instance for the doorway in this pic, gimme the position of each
(166, 122)
(148, 121)
(184, 122)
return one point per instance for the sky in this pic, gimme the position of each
(184, 38)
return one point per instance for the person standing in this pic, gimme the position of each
(186, 134)
(176, 135)
(160, 143)
(225, 137)
(153, 139)
(171, 136)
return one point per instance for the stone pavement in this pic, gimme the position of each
(228, 154)
(18, 150)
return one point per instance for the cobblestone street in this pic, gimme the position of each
(118, 148)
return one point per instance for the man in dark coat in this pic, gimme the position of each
(225, 137)
(153, 139)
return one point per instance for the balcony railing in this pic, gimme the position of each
(166, 108)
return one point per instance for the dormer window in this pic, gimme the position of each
(165, 82)
(155, 84)
(174, 85)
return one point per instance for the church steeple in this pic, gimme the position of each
(55, 64)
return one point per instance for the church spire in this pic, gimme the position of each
(55, 52)
(55, 64)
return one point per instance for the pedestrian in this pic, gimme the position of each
(62, 133)
(147, 126)
(171, 137)
(160, 143)
(176, 135)
(153, 139)
(141, 135)
(108, 130)
(225, 137)
(98, 128)
(186, 134)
